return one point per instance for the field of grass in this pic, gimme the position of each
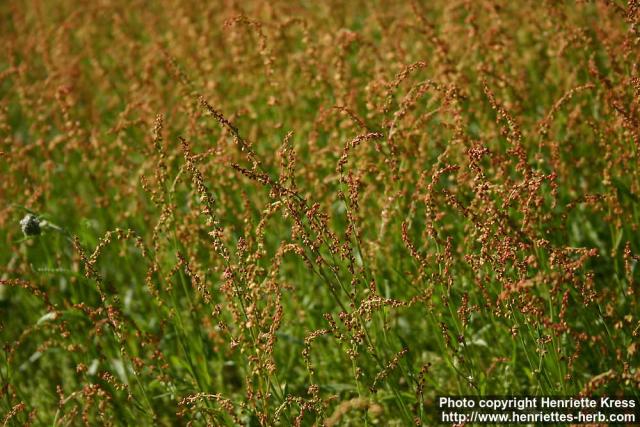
(315, 213)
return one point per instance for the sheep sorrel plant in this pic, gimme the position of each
(324, 213)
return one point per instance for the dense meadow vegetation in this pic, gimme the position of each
(314, 213)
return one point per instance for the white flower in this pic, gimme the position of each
(30, 225)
